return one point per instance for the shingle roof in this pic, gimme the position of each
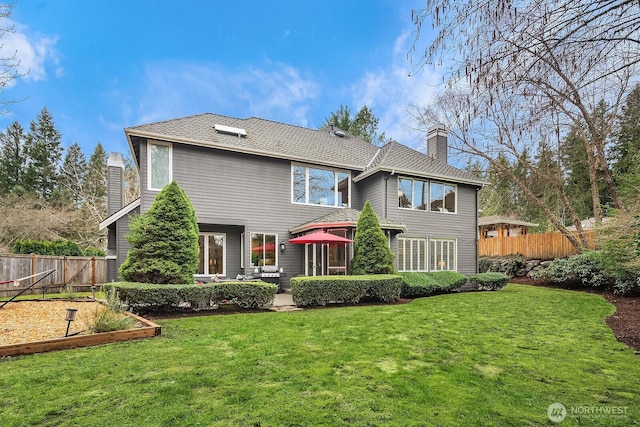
(265, 137)
(404, 160)
(344, 217)
(497, 219)
(316, 146)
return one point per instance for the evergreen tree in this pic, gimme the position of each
(574, 162)
(44, 153)
(72, 175)
(131, 180)
(364, 124)
(544, 182)
(499, 196)
(164, 241)
(95, 183)
(372, 254)
(12, 159)
(625, 151)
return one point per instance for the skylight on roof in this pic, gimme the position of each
(230, 130)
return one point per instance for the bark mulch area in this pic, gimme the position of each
(36, 320)
(625, 322)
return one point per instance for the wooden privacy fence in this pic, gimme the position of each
(533, 246)
(78, 272)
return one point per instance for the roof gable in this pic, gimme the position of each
(398, 158)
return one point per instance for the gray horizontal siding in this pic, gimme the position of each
(228, 188)
(461, 225)
(254, 193)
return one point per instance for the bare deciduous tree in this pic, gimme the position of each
(522, 72)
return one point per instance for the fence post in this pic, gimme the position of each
(93, 271)
(33, 270)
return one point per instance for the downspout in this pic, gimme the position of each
(386, 192)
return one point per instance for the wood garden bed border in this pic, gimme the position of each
(149, 329)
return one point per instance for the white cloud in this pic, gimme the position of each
(391, 93)
(34, 54)
(171, 89)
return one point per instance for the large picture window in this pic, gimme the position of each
(159, 165)
(263, 249)
(412, 254)
(316, 186)
(443, 255)
(212, 257)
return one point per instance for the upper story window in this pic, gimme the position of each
(159, 165)
(316, 186)
(442, 197)
(425, 195)
(413, 193)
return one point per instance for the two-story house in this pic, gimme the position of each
(255, 184)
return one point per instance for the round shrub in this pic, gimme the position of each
(490, 281)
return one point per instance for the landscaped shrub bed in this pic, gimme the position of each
(149, 297)
(321, 290)
(584, 269)
(490, 281)
(421, 284)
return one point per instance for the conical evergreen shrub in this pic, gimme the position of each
(372, 254)
(164, 241)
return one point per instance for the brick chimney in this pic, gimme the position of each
(437, 146)
(115, 183)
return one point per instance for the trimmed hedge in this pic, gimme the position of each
(150, 297)
(490, 281)
(321, 290)
(422, 284)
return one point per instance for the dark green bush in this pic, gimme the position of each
(490, 281)
(321, 290)
(584, 269)
(54, 248)
(371, 253)
(164, 241)
(421, 284)
(151, 297)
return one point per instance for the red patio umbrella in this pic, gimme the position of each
(269, 247)
(320, 236)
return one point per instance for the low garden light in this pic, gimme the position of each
(70, 317)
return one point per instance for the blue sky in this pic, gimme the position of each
(101, 66)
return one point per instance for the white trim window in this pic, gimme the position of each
(159, 165)
(320, 186)
(413, 193)
(424, 195)
(212, 258)
(264, 249)
(442, 197)
(443, 255)
(412, 254)
(242, 250)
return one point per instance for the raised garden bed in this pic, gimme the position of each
(38, 326)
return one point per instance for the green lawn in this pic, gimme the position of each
(492, 358)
